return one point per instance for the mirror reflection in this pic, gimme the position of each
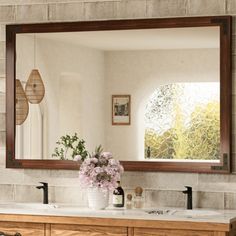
(142, 94)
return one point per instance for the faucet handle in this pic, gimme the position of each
(189, 188)
(44, 184)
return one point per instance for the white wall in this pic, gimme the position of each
(74, 83)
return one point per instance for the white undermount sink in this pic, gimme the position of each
(196, 213)
(184, 213)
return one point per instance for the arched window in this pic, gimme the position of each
(182, 121)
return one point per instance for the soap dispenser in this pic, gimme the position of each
(138, 198)
(129, 203)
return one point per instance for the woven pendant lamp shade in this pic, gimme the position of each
(34, 88)
(22, 106)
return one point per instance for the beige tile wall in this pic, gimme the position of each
(163, 189)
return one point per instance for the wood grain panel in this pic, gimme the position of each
(157, 232)
(82, 230)
(220, 234)
(130, 231)
(25, 229)
(47, 230)
(80, 226)
(158, 224)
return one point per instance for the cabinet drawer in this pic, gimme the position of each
(157, 232)
(25, 229)
(84, 230)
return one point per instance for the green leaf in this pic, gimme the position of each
(70, 143)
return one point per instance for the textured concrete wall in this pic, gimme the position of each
(216, 191)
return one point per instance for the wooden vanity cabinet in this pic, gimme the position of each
(161, 232)
(32, 225)
(85, 230)
(78, 230)
(25, 229)
(35, 229)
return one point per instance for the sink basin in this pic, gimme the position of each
(183, 212)
(195, 213)
(30, 206)
(160, 212)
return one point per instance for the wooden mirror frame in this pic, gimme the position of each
(224, 22)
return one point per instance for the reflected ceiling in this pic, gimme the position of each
(169, 38)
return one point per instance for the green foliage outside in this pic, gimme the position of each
(198, 139)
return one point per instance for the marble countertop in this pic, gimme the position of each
(170, 214)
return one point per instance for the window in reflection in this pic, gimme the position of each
(182, 121)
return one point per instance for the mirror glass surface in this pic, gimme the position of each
(142, 94)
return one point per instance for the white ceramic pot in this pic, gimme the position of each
(98, 198)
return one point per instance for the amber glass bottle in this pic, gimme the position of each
(118, 199)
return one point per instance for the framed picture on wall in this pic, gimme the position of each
(121, 108)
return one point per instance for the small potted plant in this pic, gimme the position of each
(70, 146)
(99, 173)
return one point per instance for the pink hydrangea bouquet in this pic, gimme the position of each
(100, 170)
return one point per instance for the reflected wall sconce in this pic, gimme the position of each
(34, 88)
(22, 106)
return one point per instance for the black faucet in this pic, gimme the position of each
(44, 186)
(189, 193)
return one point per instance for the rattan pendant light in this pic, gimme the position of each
(22, 106)
(34, 88)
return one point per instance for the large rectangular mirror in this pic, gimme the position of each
(156, 93)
